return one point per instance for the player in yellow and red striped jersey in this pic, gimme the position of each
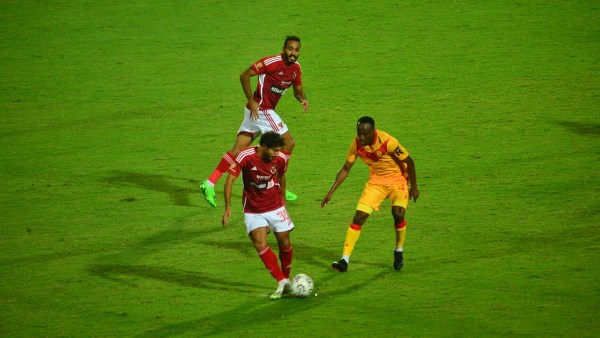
(392, 175)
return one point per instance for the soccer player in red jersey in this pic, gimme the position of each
(263, 172)
(392, 175)
(275, 75)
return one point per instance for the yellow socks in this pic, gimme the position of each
(400, 234)
(351, 237)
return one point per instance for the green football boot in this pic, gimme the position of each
(209, 193)
(290, 196)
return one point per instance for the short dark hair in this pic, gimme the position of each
(366, 119)
(290, 38)
(271, 140)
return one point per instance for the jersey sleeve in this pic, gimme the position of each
(393, 146)
(283, 166)
(351, 157)
(235, 169)
(259, 66)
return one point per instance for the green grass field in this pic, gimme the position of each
(112, 112)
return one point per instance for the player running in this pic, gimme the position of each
(263, 171)
(275, 75)
(389, 165)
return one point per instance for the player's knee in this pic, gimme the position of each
(360, 218)
(259, 247)
(284, 242)
(285, 246)
(242, 141)
(398, 214)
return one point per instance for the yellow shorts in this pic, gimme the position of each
(374, 194)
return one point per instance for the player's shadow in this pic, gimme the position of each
(312, 255)
(153, 182)
(247, 313)
(584, 129)
(195, 279)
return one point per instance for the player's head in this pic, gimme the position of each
(291, 49)
(365, 130)
(270, 145)
(290, 38)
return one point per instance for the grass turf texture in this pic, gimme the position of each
(113, 112)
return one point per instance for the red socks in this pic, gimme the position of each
(270, 260)
(223, 166)
(285, 256)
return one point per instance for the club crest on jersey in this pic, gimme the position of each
(273, 170)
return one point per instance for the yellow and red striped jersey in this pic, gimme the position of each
(382, 167)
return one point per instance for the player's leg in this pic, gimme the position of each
(399, 198)
(290, 144)
(258, 228)
(287, 151)
(400, 227)
(269, 120)
(286, 252)
(258, 237)
(369, 201)
(352, 235)
(243, 140)
(282, 225)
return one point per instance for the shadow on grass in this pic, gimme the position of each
(584, 129)
(152, 182)
(176, 276)
(247, 315)
(312, 255)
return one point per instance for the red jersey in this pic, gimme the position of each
(262, 192)
(274, 78)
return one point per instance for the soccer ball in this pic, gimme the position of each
(302, 285)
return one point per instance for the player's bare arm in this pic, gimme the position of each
(282, 185)
(408, 165)
(300, 96)
(412, 177)
(246, 86)
(227, 195)
(339, 179)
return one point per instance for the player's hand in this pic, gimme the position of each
(226, 216)
(326, 200)
(253, 109)
(305, 104)
(414, 193)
